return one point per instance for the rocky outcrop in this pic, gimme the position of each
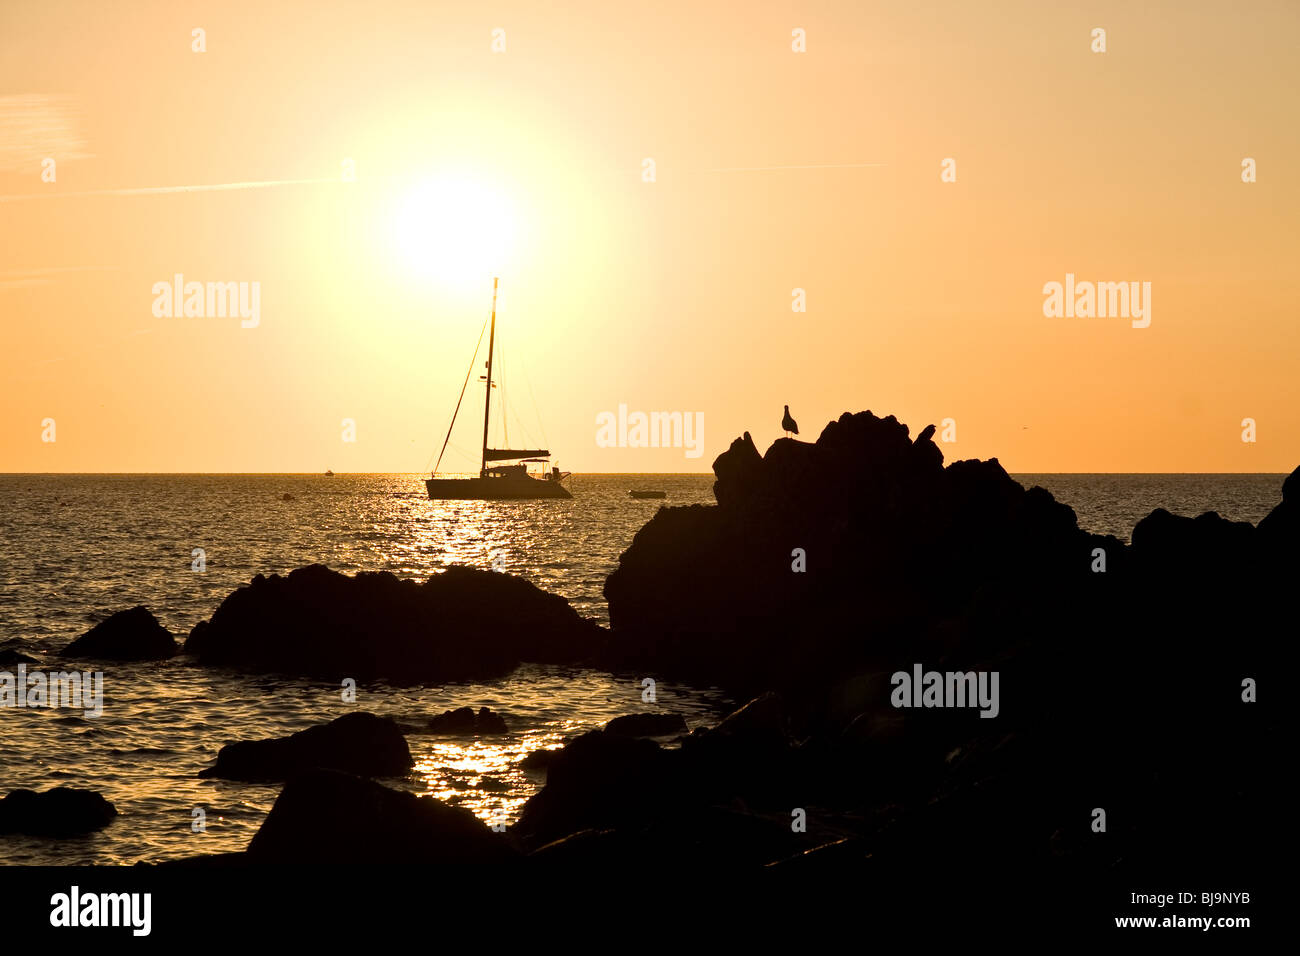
(464, 722)
(829, 555)
(133, 635)
(323, 816)
(316, 622)
(828, 568)
(359, 743)
(60, 812)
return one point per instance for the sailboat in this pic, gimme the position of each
(497, 481)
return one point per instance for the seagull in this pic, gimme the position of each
(789, 424)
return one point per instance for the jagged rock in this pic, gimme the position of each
(647, 725)
(318, 623)
(133, 635)
(358, 743)
(465, 722)
(60, 812)
(827, 567)
(323, 816)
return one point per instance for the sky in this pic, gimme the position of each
(402, 154)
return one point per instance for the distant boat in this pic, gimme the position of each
(497, 482)
(648, 494)
(329, 474)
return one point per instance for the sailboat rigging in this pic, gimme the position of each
(498, 481)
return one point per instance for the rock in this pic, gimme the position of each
(598, 780)
(739, 470)
(1205, 546)
(464, 722)
(323, 816)
(762, 718)
(647, 725)
(318, 623)
(828, 567)
(1279, 532)
(133, 635)
(709, 836)
(60, 812)
(358, 743)
(855, 552)
(12, 658)
(539, 759)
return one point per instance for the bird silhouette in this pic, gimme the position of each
(789, 424)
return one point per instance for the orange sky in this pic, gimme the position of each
(924, 298)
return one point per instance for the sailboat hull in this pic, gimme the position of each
(493, 489)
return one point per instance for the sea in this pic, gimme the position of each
(76, 548)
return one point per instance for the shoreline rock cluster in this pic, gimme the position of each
(1128, 674)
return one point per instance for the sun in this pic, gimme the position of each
(454, 228)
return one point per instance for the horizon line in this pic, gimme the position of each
(421, 474)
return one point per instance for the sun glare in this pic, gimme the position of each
(454, 229)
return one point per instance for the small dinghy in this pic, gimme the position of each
(648, 494)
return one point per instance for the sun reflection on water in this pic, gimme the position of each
(165, 721)
(484, 775)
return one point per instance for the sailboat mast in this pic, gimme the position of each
(487, 401)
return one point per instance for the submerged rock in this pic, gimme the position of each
(462, 624)
(61, 812)
(323, 816)
(465, 722)
(359, 743)
(133, 635)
